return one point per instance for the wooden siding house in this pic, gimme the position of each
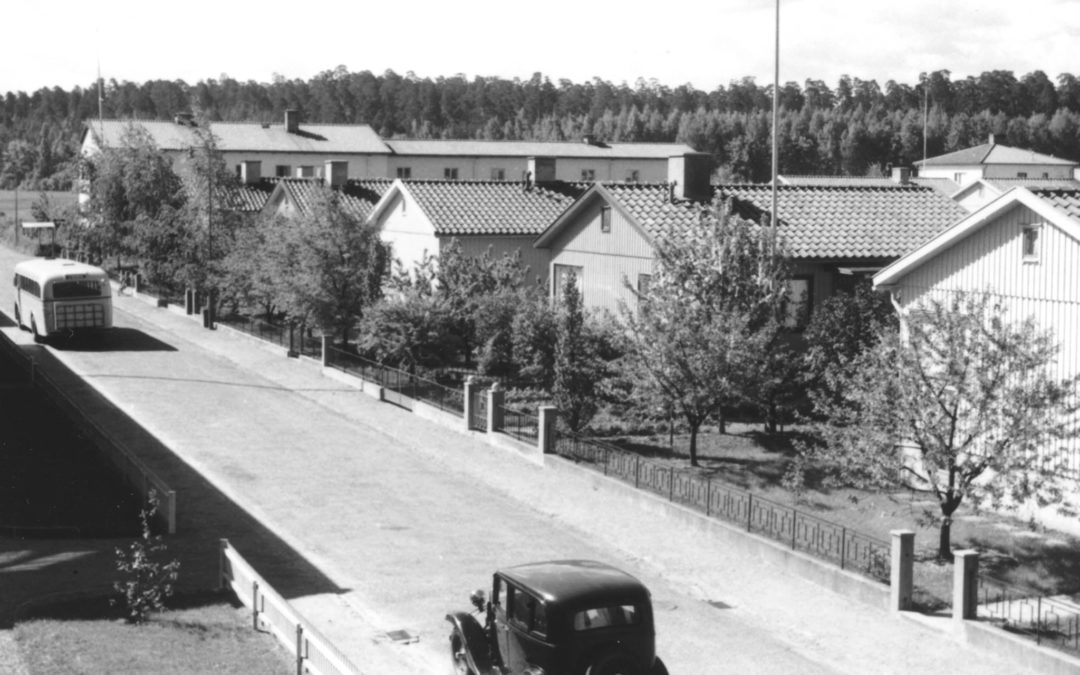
(836, 233)
(420, 218)
(994, 160)
(1022, 248)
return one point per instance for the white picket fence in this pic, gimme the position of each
(272, 613)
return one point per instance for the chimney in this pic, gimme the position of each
(991, 139)
(542, 169)
(184, 119)
(292, 120)
(336, 173)
(901, 175)
(250, 172)
(689, 176)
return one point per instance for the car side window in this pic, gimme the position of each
(605, 617)
(498, 592)
(526, 611)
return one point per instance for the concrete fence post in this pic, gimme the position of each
(903, 568)
(470, 389)
(189, 301)
(324, 352)
(546, 437)
(965, 585)
(138, 283)
(496, 399)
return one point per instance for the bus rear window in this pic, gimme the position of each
(86, 288)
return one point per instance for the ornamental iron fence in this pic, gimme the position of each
(801, 531)
(399, 387)
(1048, 620)
(520, 425)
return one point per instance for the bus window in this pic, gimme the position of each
(84, 288)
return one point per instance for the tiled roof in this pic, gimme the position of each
(823, 222)
(993, 153)
(1034, 184)
(943, 185)
(473, 148)
(1065, 200)
(358, 196)
(492, 207)
(816, 222)
(252, 136)
(250, 197)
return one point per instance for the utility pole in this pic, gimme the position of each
(774, 219)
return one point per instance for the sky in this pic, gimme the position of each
(61, 43)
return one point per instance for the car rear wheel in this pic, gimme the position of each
(614, 663)
(457, 654)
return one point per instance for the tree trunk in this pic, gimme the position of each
(693, 444)
(944, 540)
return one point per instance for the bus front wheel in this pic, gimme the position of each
(33, 329)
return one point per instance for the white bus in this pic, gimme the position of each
(55, 296)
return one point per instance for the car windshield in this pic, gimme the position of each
(604, 617)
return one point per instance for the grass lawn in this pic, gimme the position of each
(1010, 548)
(204, 634)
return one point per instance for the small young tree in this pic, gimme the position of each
(578, 367)
(970, 397)
(710, 310)
(146, 580)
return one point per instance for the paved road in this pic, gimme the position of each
(396, 519)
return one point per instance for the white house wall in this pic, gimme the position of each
(991, 259)
(480, 168)
(1030, 171)
(408, 231)
(607, 259)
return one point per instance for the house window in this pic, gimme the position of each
(305, 172)
(282, 170)
(450, 173)
(1046, 174)
(800, 295)
(498, 174)
(605, 218)
(1021, 174)
(404, 172)
(958, 178)
(1031, 243)
(563, 275)
(588, 175)
(633, 176)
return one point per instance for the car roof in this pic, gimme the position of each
(584, 583)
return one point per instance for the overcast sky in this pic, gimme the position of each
(60, 42)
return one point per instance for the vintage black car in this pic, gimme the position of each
(565, 617)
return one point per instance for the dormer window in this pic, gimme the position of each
(1021, 174)
(633, 176)
(1031, 243)
(450, 173)
(404, 172)
(588, 175)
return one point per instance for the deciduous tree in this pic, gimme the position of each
(964, 404)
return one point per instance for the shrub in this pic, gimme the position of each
(145, 579)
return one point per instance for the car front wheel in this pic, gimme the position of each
(458, 657)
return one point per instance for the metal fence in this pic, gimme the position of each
(1046, 620)
(399, 386)
(520, 425)
(273, 614)
(801, 531)
(293, 337)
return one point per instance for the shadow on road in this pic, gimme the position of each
(43, 570)
(113, 340)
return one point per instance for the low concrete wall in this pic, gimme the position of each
(1021, 651)
(800, 564)
(371, 389)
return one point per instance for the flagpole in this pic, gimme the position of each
(775, 220)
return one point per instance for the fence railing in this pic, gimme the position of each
(801, 531)
(272, 613)
(1028, 612)
(292, 337)
(399, 386)
(520, 425)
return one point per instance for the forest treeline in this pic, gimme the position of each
(856, 127)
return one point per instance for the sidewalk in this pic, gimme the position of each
(404, 517)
